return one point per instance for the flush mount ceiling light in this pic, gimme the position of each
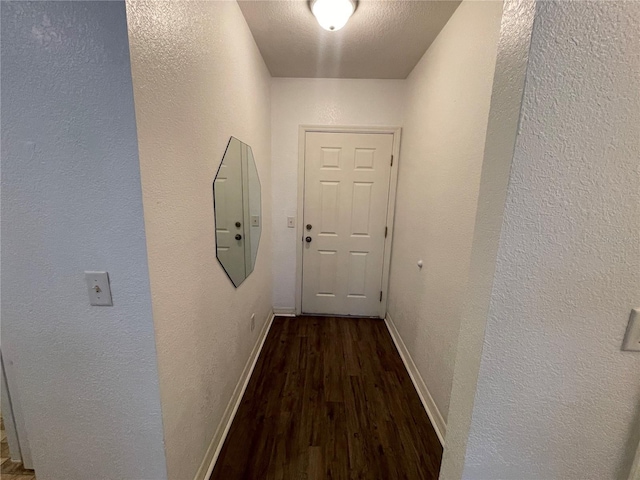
(332, 15)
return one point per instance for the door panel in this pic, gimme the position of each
(346, 195)
(357, 274)
(330, 197)
(327, 273)
(361, 208)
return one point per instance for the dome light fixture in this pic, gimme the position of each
(332, 15)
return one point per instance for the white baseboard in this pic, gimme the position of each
(429, 404)
(209, 461)
(284, 312)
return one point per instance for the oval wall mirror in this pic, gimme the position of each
(238, 211)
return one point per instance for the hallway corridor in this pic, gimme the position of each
(329, 398)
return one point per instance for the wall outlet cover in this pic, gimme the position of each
(98, 288)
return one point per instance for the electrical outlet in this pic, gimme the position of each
(632, 338)
(253, 321)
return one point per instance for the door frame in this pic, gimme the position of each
(391, 204)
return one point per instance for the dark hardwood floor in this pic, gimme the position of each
(329, 399)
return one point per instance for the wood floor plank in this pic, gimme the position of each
(329, 398)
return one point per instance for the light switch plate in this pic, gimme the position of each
(291, 222)
(255, 220)
(99, 288)
(632, 338)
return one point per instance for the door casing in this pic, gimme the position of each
(391, 206)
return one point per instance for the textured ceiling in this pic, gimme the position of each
(383, 38)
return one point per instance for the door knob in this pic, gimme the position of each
(238, 236)
(308, 239)
(309, 226)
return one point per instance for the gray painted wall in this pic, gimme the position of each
(71, 201)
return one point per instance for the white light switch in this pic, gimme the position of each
(291, 222)
(255, 220)
(99, 289)
(632, 338)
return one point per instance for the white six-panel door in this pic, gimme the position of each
(346, 192)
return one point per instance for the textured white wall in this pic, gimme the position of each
(447, 107)
(298, 101)
(198, 79)
(71, 201)
(556, 398)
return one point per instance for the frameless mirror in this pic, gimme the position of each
(238, 211)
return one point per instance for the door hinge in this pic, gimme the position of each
(380, 295)
(386, 229)
(392, 160)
